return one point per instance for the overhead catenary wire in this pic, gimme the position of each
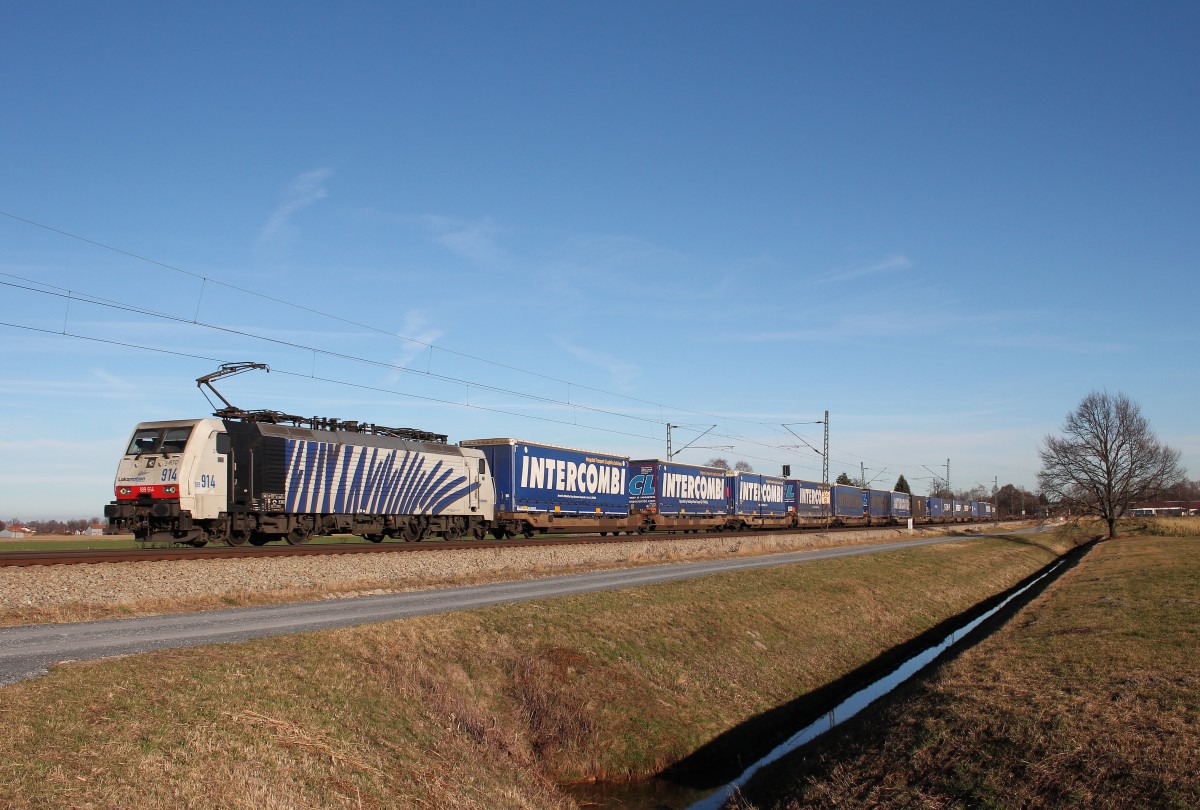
(305, 375)
(74, 295)
(69, 294)
(380, 389)
(351, 322)
(359, 386)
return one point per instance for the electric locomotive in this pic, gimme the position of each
(256, 476)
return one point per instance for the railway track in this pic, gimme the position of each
(96, 556)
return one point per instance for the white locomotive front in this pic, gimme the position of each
(173, 482)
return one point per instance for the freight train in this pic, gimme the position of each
(262, 476)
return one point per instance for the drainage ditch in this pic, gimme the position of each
(705, 780)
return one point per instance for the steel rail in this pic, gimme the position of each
(96, 556)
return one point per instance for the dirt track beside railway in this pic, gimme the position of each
(83, 592)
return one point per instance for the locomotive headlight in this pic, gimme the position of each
(170, 490)
(124, 491)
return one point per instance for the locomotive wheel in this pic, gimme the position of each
(453, 529)
(374, 538)
(479, 532)
(297, 536)
(238, 537)
(412, 533)
(259, 539)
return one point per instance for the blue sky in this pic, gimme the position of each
(945, 223)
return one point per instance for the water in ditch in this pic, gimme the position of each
(657, 794)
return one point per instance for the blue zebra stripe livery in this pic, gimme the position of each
(326, 478)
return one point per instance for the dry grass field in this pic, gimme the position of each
(494, 708)
(1089, 698)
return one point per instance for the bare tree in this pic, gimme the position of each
(719, 463)
(1107, 459)
(743, 466)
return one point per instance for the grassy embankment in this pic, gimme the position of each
(490, 708)
(64, 542)
(1089, 698)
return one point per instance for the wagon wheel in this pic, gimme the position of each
(499, 532)
(238, 537)
(374, 538)
(527, 531)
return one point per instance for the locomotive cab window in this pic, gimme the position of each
(159, 440)
(175, 439)
(143, 441)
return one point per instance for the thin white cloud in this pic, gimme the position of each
(876, 325)
(476, 241)
(892, 264)
(114, 381)
(302, 192)
(417, 327)
(623, 373)
(1057, 343)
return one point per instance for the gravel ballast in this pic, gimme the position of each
(153, 587)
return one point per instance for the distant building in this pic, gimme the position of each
(1165, 508)
(16, 532)
(94, 529)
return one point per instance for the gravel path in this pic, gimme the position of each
(142, 587)
(29, 651)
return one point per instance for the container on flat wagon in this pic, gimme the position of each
(939, 508)
(532, 477)
(807, 498)
(920, 507)
(671, 488)
(960, 509)
(902, 505)
(879, 503)
(847, 501)
(755, 494)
